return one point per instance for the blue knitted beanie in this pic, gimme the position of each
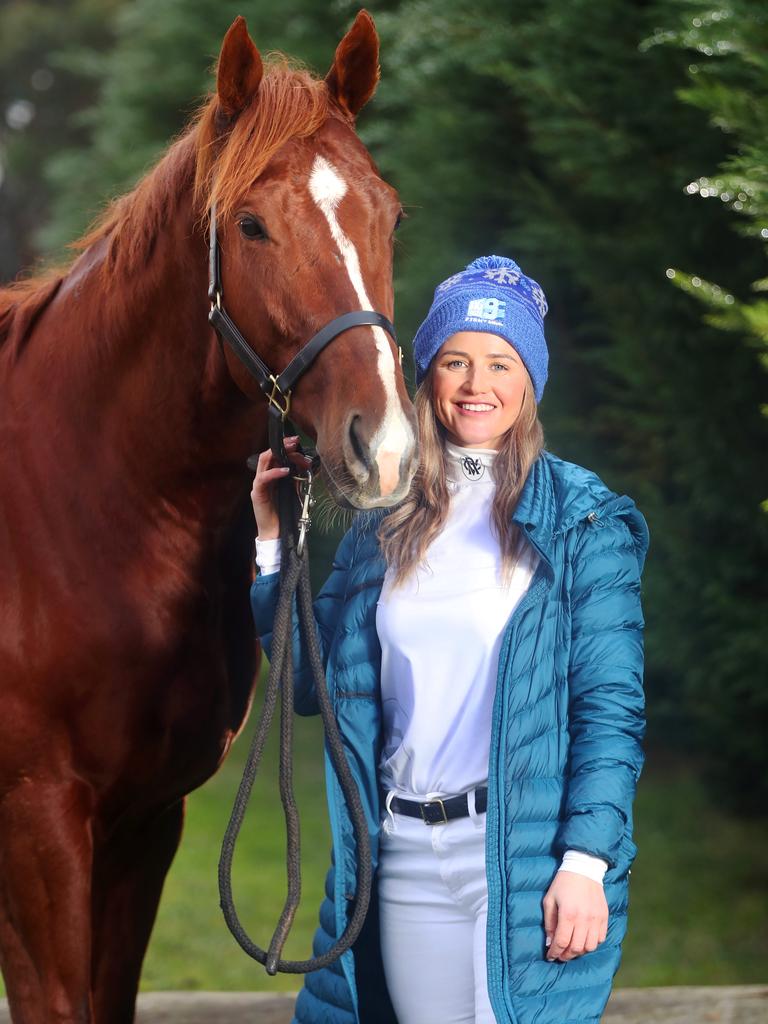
(493, 295)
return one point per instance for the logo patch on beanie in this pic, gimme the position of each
(489, 310)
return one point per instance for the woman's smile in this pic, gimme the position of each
(474, 407)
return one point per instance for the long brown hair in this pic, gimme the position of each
(406, 533)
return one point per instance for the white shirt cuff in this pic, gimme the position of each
(584, 864)
(268, 555)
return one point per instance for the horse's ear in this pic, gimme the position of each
(355, 72)
(239, 70)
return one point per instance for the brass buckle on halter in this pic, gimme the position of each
(272, 397)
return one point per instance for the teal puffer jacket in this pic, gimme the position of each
(565, 747)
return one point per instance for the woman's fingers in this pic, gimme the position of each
(298, 458)
(268, 476)
(550, 917)
(593, 939)
(575, 916)
(268, 462)
(268, 471)
(261, 490)
(578, 942)
(562, 937)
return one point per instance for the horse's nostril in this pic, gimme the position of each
(359, 447)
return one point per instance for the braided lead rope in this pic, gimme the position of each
(294, 577)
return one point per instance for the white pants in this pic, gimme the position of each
(433, 903)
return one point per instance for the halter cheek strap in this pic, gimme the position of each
(277, 387)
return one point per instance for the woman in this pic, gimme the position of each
(484, 652)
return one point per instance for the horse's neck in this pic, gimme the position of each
(144, 394)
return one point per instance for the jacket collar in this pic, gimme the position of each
(535, 511)
(558, 495)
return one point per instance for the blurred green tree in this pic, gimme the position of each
(40, 100)
(728, 79)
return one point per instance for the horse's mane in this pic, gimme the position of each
(219, 162)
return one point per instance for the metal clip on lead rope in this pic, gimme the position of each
(307, 501)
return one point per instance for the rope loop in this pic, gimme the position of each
(294, 583)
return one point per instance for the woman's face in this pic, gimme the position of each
(478, 387)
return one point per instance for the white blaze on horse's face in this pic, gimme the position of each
(395, 435)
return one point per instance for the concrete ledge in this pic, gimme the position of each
(215, 1008)
(739, 1004)
(732, 1004)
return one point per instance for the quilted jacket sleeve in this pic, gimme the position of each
(264, 594)
(606, 704)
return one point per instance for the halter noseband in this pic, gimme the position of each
(277, 387)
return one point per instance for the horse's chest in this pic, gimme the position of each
(135, 677)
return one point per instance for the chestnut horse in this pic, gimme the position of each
(127, 654)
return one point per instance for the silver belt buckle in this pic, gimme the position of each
(436, 821)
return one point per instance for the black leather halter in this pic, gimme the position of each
(277, 387)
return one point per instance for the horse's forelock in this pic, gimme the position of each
(291, 103)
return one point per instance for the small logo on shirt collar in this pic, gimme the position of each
(472, 468)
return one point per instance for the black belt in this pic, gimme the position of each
(440, 812)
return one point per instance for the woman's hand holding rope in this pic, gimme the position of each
(263, 496)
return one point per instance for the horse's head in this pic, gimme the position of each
(306, 227)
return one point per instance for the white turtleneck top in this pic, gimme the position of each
(440, 635)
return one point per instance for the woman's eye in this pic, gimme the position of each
(499, 366)
(252, 228)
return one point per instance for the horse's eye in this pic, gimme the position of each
(252, 228)
(399, 220)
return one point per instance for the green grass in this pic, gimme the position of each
(699, 886)
(699, 889)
